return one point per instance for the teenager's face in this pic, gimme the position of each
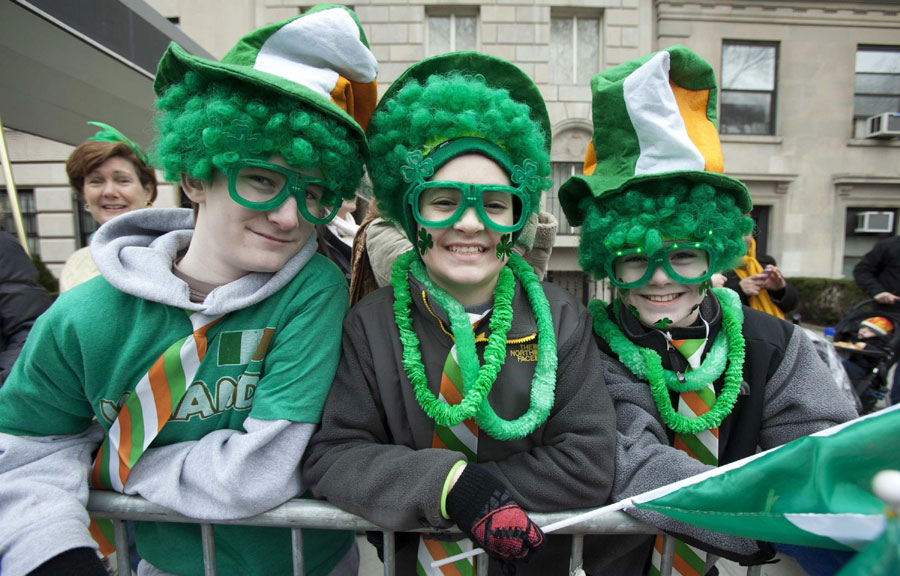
(114, 188)
(662, 302)
(463, 260)
(235, 240)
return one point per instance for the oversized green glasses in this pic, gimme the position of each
(438, 204)
(687, 262)
(263, 186)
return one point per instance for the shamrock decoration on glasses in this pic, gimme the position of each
(425, 241)
(527, 176)
(504, 248)
(417, 168)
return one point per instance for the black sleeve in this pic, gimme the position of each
(867, 270)
(22, 300)
(787, 298)
(733, 282)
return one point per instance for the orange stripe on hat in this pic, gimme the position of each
(693, 105)
(590, 159)
(357, 99)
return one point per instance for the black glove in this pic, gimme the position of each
(74, 562)
(483, 509)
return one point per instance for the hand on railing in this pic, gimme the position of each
(482, 507)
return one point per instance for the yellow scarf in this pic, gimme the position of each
(751, 266)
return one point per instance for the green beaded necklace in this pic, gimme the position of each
(477, 380)
(647, 365)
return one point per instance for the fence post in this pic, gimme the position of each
(297, 551)
(120, 534)
(208, 540)
(390, 558)
(668, 555)
(576, 557)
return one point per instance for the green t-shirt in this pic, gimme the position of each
(92, 347)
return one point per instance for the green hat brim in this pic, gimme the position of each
(498, 73)
(177, 62)
(601, 188)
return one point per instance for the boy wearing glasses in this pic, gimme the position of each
(467, 390)
(207, 348)
(697, 379)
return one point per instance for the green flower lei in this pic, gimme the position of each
(647, 365)
(478, 380)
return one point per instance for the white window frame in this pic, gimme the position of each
(452, 12)
(575, 16)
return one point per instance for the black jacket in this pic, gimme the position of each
(22, 300)
(879, 269)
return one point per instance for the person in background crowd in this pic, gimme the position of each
(759, 283)
(22, 300)
(698, 379)
(878, 275)
(336, 237)
(467, 390)
(112, 176)
(197, 366)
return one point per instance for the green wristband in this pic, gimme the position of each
(446, 489)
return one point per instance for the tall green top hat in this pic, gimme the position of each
(506, 121)
(654, 118)
(321, 57)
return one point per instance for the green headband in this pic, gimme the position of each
(110, 134)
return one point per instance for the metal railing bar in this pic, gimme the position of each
(302, 513)
(390, 553)
(120, 534)
(208, 539)
(576, 557)
(297, 551)
(482, 564)
(668, 555)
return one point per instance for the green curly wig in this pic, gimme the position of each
(649, 214)
(449, 106)
(202, 126)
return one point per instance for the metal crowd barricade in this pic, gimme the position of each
(298, 515)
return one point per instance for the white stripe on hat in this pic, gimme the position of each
(315, 49)
(653, 110)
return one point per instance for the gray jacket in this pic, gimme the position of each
(787, 393)
(373, 455)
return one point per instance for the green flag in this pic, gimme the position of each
(814, 491)
(880, 558)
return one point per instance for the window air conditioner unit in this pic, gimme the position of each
(885, 125)
(874, 222)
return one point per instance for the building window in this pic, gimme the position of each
(29, 217)
(449, 31)
(748, 87)
(857, 241)
(574, 49)
(877, 88)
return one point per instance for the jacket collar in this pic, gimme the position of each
(523, 324)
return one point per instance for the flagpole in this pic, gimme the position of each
(12, 194)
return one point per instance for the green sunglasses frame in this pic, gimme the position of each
(660, 258)
(470, 195)
(295, 184)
